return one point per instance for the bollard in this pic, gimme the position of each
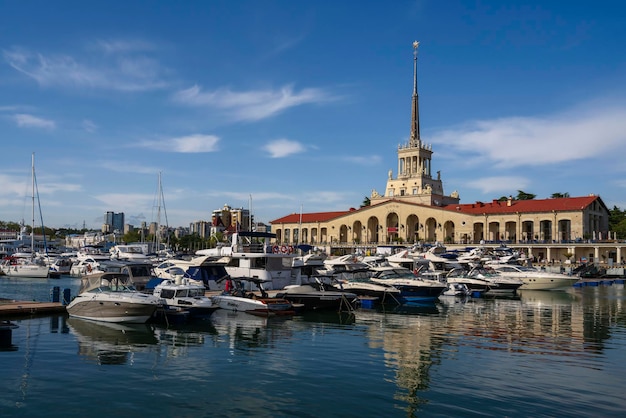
(66, 296)
(54, 294)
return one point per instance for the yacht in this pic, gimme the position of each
(110, 297)
(535, 279)
(250, 255)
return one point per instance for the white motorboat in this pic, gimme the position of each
(413, 289)
(184, 295)
(241, 304)
(60, 265)
(110, 297)
(535, 279)
(461, 277)
(484, 280)
(85, 265)
(129, 252)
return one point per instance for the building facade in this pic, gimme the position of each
(414, 208)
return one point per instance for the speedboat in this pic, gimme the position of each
(110, 297)
(183, 295)
(498, 284)
(277, 306)
(413, 289)
(317, 295)
(234, 302)
(484, 280)
(380, 292)
(461, 277)
(535, 279)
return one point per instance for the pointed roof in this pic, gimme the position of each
(526, 206)
(415, 117)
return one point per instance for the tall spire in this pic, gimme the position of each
(415, 116)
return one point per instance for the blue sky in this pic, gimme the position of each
(283, 105)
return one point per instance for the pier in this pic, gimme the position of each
(12, 308)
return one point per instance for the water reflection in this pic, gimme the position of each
(543, 325)
(110, 343)
(245, 331)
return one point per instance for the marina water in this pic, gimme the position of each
(544, 353)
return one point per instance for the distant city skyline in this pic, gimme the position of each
(287, 106)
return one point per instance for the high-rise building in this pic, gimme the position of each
(113, 222)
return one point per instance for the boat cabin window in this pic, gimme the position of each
(167, 293)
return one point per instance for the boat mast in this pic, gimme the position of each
(160, 202)
(32, 228)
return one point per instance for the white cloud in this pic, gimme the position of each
(252, 105)
(29, 121)
(187, 144)
(115, 72)
(280, 148)
(533, 141)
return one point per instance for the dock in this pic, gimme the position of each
(9, 307)
(604, 281)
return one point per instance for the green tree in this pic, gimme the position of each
(559, 195)
(366, 202)
(616, 217)
(522, 195)
(132, 236)
(620, 229)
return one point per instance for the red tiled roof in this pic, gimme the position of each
(522, 206)
(478, 208)
(309, 217)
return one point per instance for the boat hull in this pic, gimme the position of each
(241, 304)
(35, 272)
(547, 283)
(320, 300)
(111, 310)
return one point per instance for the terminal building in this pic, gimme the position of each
(413, 208)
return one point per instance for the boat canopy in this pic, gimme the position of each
(105, 282)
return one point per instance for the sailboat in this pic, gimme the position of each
(159, 247)
(27, 265)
